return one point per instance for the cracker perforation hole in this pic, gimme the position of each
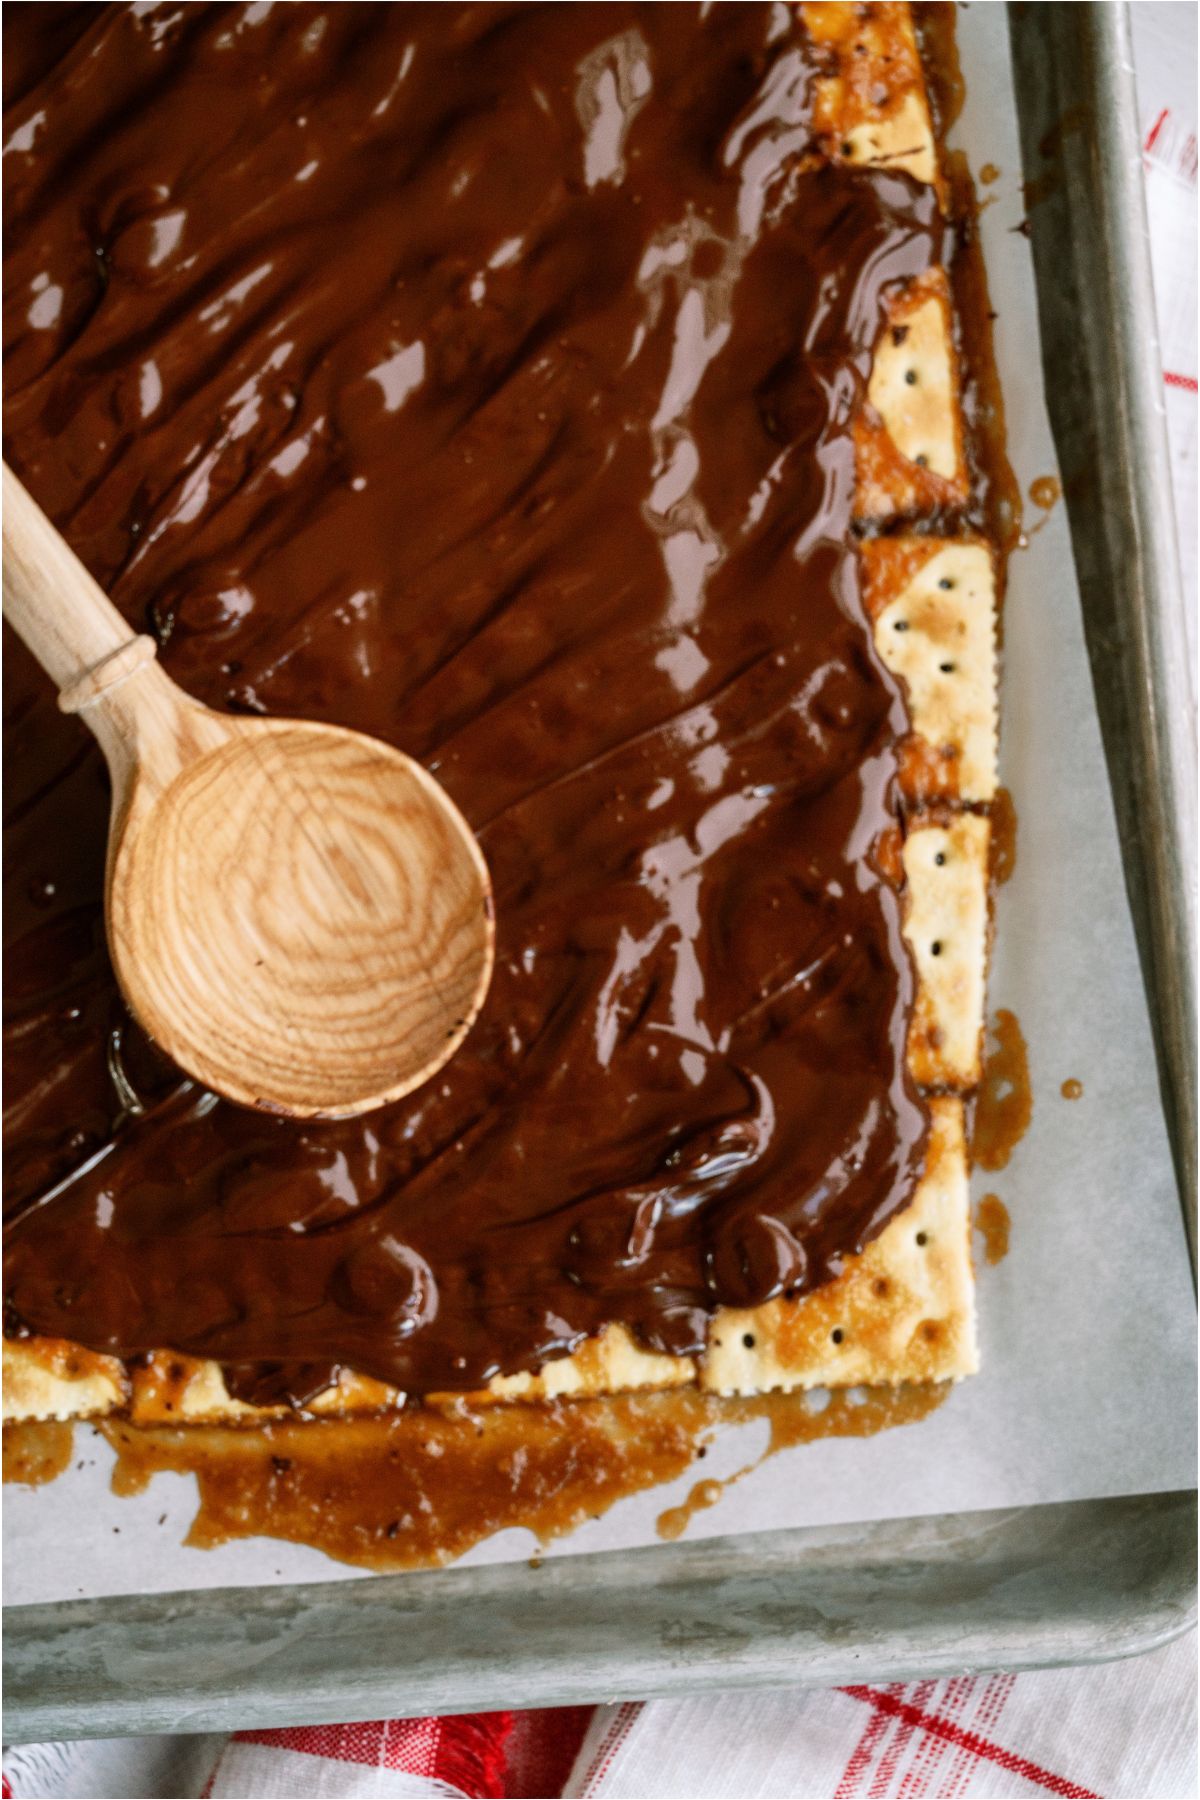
(922, 1239)
(837, 1334)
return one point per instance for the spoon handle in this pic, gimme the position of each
(62, 615)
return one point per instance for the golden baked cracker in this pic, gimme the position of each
(49, 1378)
(946, 927)
(870, 103)
(170, 1388)
(610, 1363)
(933, 603)
(910, 452)
(902, 140)
(871, 109)
(903, 1310)
(166, 1388)
(912, 388)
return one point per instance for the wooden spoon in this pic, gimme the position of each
(296, 913)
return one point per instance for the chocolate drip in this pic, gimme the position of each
(480, 377)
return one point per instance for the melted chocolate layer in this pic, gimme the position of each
(480, 377)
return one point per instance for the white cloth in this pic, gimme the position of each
(1125, 1730)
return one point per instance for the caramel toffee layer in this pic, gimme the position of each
(480, 377)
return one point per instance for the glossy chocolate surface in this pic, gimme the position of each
(479, 377)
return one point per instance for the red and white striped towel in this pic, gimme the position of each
(1122, 1729)
(1126, 1730)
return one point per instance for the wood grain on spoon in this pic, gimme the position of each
(297, 913)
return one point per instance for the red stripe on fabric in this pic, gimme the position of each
(965, 1689)
(928, 1752)
(470, 1753)
(860, 1757)
(4, 1787)
(622, 1724)
(957, 1694)
(917, 1698)
(1152, 134)
(960, 1692)
(409, 1745)
(542, 1750)
(1187, 382)
(979, 1746)
(991, 1704)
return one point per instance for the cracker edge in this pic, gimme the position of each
(941, 640)
(946, 928)
(39, 1382)
(904, 421)
(900, 134)
(904, 1307)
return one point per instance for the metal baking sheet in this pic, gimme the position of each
(1082, 155)
(1032, 1587)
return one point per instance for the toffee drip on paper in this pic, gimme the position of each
(1004, 1103)
(1002, 844)
(419, 1487)
(993, 1224)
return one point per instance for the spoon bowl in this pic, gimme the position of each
(297, 913)
(299, 919)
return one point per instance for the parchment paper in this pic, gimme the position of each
(1087, 1327)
